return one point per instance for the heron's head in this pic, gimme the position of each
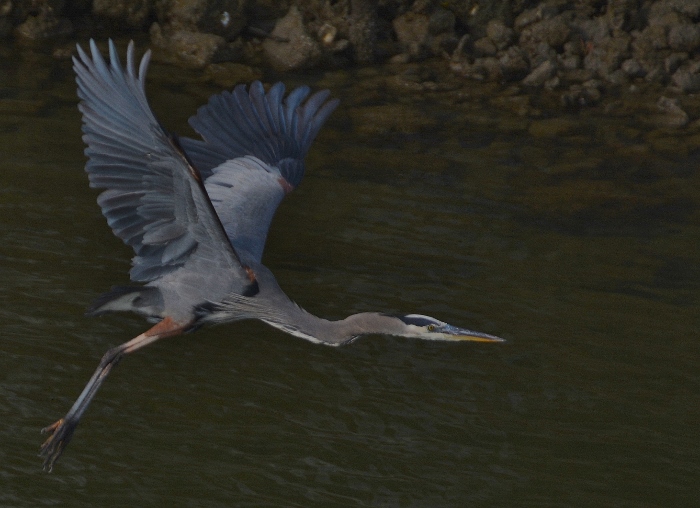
(428, 328)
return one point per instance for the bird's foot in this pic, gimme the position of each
(60, 434)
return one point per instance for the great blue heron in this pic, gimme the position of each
(197, 214)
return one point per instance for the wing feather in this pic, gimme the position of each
(153, 200)
(248, 130)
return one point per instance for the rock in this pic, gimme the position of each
(673, 116)
(554, 32)
(579, 95)
(267, 12)
(475, 15)
(684, 37)
(192, 49)
(514, 64)
(225, 18)
(43, 26)
(569, 62)
(687, 79)
(476, 70)
(690, 8)
(290, 47)
(541, 52)
(618, 77)
(499, 33)
(530, 16)
(327, 34)
(552, 83)
(540, 74)
(666, 20)
(412, 30)
(615, 41)
(484, 47)
(489, 67)
(133, 12)
(576, 46)
(577, 75)
(362, 30)
(608, 55)
(650, 39)
(592, 31)
(404, 58)
(632, 68)
(673, 61)
(441, 21)
(670, 9)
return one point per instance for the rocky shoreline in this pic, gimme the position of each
(577, 51)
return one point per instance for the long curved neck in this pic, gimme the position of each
(334, 333)
(273, 306)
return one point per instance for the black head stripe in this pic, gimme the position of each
(418, 320)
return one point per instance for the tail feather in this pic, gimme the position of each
(146, 301)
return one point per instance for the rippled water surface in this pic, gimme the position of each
(574, 238)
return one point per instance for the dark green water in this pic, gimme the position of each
(577, 242)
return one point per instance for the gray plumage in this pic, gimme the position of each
(197, 212)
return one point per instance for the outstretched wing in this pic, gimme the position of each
(154, 200)
(252, 154)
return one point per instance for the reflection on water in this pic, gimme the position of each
(575, 238)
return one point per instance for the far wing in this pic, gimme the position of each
(154, 199)
(252, 154)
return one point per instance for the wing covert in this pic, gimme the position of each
(267, 126)
(245, 130)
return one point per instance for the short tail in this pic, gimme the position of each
(146, 301)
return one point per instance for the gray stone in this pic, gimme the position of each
(362, 30)
(686, 81)
(186, 47)
(608, 55)
(476, 14)
(499, 33)
(413, 32)
(592, 31)
(684, 37)
(514, 64)
(490, 67)
(578, 96)
(291, 47)
(484, 47)
(530, 16)
(651, 38)
(673, 114)
(133, 12)
(673, 61)
(632, 68)
(554, 32)
(540, 74)
(569, 62)
(220, 17)
(42, 27)
(441, 21)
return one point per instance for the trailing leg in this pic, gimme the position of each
(62, 430)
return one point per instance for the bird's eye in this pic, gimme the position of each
(431, 328)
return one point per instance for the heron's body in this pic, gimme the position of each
(197, 213)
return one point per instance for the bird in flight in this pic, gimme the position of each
(197, 212)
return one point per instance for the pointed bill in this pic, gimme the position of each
(450, 332)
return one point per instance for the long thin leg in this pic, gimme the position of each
(62, 430)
